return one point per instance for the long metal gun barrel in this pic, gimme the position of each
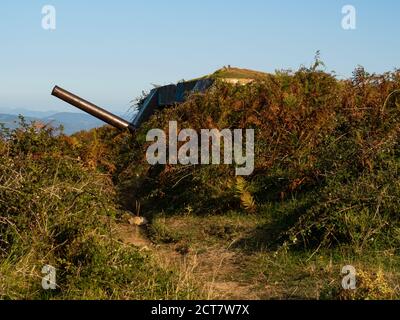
(92, 109)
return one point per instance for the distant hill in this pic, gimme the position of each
(26, 112)
(11, 121)
(72, 122)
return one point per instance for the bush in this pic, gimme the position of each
(327, 149)
(57, 210)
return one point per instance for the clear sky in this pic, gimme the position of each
(109, 51)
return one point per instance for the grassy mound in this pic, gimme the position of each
(237, 73)
(327, 158)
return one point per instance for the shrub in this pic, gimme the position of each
(326, 148)
(58, 210)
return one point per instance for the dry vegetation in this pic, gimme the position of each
(324, 194)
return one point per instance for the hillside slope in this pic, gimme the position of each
(324, 194)
(326, 178)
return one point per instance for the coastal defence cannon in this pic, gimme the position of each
(92, 109)
(158, 98)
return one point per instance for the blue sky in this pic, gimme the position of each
(109, 51)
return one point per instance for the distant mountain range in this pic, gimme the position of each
(72, 122)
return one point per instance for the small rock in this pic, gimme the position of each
(138, 221)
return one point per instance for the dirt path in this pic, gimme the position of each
(218, 270)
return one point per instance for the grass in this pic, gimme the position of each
(323, 195)
(235, 73)
(56, 210)
(253, 270)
